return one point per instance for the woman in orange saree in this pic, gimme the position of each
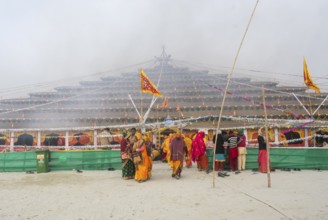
(141, 160)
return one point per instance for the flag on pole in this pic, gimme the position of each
(165, 103)
(308, 79)
(147, 86)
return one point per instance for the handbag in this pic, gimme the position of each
(137, 159)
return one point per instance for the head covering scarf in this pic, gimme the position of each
(124, 146)
(198, 146)
(138, 135)
(146, 138)
(260, 132)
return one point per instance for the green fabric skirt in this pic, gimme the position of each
(128, 170)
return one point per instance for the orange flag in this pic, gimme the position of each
(165, 103)
(147, 86)
(307, 78)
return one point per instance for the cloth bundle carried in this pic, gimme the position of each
(136, 157)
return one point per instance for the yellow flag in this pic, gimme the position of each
(307, 78)
(147, 86)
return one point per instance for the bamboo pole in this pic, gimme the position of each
(227, 86)
(267, 138)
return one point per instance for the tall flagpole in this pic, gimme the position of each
(141, 113)
(227, 86)
(267, 138)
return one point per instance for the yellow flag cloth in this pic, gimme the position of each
(307, 78)
(147, 86)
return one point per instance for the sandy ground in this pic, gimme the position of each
(104, 195)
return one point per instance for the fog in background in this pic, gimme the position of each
(43, 41)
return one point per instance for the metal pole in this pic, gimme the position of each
(12, 141)
(301, 104)
(320, 105)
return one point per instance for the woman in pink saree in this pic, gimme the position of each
(198, 152)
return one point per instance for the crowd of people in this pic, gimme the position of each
(137, 153)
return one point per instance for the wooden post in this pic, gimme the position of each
(66, 140)
(159, 138)
(267, 138)
(12, 141)
(95, 139)
(227, 86)
(39, 139)
(276, 136)
(306, 135)
(141, 113)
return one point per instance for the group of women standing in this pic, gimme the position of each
(136, 153)
(136, 157)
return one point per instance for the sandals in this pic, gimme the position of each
(226, 174)
(286, 169)
(221, 174)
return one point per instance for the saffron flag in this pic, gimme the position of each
(307, 78)
(165, 103)
(147, 86)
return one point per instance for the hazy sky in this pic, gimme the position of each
(55, 39)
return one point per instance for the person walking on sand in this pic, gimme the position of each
(178, 150)
(141, 160)
(199, 152)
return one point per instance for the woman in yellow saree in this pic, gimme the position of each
(141, 160)
(188, 142)
(166, 149)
